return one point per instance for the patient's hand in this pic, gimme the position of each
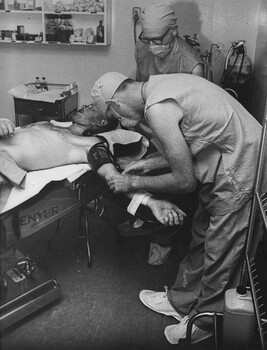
(166, 212)
(7, 128)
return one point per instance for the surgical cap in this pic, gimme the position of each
(156, 19)
(104, 89)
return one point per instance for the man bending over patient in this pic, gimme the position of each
(44, 145)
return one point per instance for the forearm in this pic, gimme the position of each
(156, 161)
(166, 183)
(165, 212)
(108, 170)
(133, 199)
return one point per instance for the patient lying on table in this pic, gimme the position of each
(44, 145)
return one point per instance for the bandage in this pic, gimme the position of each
(100, 154)
(140, 197)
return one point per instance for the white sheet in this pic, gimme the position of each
(36, 180)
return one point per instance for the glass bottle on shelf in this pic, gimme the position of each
(44, 86)
(37, 83)
(100, 33)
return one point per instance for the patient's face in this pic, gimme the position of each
(86, 116)
(94, 123)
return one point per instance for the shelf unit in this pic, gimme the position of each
(258, 213)
(67, 22)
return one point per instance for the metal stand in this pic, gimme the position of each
(214, 316)
(259, 203)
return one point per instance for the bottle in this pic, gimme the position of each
(37, 83)
(44, 84)
(100, 32)
(239, 322)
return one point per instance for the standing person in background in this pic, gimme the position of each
(160, 50)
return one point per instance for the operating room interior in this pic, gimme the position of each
(90, 275)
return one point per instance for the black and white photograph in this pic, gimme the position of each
(133, 174)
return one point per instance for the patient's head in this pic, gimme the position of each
(88, 117)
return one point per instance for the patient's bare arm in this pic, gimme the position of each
(42, 146)
(103, 162)
(164, 211)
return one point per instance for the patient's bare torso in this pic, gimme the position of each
(42, 145)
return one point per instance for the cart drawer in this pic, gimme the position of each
(37, 108)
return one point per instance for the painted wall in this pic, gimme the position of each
(215, 21)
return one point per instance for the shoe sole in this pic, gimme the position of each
(171, 314)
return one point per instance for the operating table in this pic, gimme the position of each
(49, 196)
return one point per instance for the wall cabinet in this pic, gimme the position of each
(69, 22)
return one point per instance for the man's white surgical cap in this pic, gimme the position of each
(104, 89)
(156, 19)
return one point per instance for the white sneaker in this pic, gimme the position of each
(158, 302)
(176, 332)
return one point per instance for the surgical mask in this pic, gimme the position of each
(115, 113)
(160, 50)
(125, 122)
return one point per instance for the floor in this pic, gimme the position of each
(99, 308)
